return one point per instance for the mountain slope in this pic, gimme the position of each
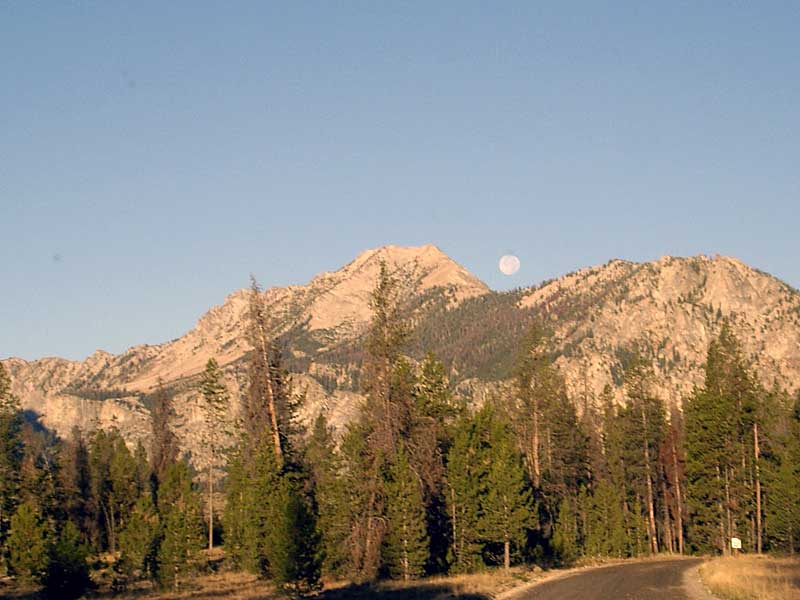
(668, 310)
(331, 309)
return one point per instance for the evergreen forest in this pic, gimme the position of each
(421, 482)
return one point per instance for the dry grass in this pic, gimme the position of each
(751, 577)
(240, 586)
(478, 586)
(231, 586)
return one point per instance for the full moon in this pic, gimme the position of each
(509, 264)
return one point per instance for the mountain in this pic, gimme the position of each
(333, 308)
(667, 310)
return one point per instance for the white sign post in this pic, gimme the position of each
(736, 544)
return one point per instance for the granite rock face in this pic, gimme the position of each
(668, 310)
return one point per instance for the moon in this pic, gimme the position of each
(509, 264)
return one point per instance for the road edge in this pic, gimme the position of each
(694, 585)
(691, 577)
(553, 575)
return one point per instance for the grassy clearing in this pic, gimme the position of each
(751, 577)
(231, 586)
(478, 586)
(243, 586)
(240, 586)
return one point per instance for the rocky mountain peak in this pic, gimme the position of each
(668, 309)
(343, 296)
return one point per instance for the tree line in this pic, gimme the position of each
(420, 482)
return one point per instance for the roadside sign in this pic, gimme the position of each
(736, 543)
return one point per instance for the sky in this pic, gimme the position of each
(154, 154)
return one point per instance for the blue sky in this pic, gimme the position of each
(152, 155)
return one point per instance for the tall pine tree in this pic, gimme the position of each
(407, 546)
(506, 505)
(465, 485)
(11, 454)
(215, 407)
(181, 520)
(27, 544)
(720, 453)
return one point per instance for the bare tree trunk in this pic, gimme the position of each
(678, 496)
(648, 472)
(549, 450)
(507, 553)
(210, 508)
(723, 546)
(257, 308)
(456, 554)
(759, 530)
(670, 543)
(638, 526)
(406, 574)
(371, 557)
(728, 509)
(109, 518)
(273, 415)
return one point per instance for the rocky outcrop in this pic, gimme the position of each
(667, 310)
(107, 390)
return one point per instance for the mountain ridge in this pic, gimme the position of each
(671, 308)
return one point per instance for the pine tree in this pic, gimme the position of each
(435, 399)
(617, 441)
(604, 529)
(430, 437)
(292, 541)
(27, 544)
(644, 425)
(362, 479)
(325, 465)
(782, 476)
(506, 506)
(548, 431)
(181, 526)
(11, 454)
(264, 453)
(265, 412)
(672, 463)
(39, 476)
(267, 499)
(76, 483)
(114, 486)
(705, 419)
(565, 534)
(387, 418)
(536, 384)
(8, 402)
(465, 485)
(67, 573)
(215, 406)
(720, 453)
(264, 460)
(164, 445)
(241, 533)
(138, 542)
(406, 539)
